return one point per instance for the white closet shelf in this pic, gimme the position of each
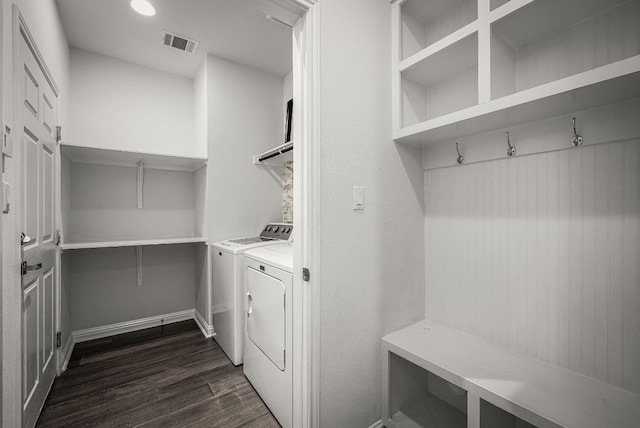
(528, 388)
(98, 156)
(131, 242)
(608, 84)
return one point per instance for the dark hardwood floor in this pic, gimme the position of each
(159, 377)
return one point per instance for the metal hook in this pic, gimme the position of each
(460, 159)
(577, 139)
(511, 151)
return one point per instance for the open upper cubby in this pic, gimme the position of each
(443, 82)
(521, 61)
(108, 201)
(425, 22)
(548, 40)
(497, 3)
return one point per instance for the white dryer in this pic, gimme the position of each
(268, 345)
(227, 285)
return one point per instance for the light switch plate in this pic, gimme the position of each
(358, 197)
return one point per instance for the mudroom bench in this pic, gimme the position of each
(435, 376)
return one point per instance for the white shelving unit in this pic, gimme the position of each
(116, 198)
(468, 67)
(434, 373)
(132, 240)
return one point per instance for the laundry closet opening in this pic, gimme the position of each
(161, 155)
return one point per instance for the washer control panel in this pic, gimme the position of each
(277, 231)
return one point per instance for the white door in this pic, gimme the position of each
(37, 108)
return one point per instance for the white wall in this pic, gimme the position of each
(103, 204)
(103, 287)
(200, 100)
(372, 261)
(245, 117)
(120, 105)
(539, 254)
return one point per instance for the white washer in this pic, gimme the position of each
(227, 285)
(268, 345)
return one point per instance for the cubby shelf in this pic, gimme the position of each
(468, 67)
(130, 243)
(539, 393)
(612, 83)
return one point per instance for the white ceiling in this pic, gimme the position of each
(237, 30)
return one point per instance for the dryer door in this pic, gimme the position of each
(266, 315)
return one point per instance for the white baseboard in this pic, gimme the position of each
(129, 326)
(207, 330)
(66, 352)
(378, 424)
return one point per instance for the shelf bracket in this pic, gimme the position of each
(259, 159)
(140, 182)
(139, 265)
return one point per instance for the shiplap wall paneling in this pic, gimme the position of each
(540, 254)
(631, 292)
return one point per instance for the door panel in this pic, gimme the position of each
(48, 178)
(49, 118)
(31, 98)
(30, 174)
(30, 369)
(37, 107)
(48, 319)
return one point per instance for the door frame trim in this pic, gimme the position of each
(306, 79)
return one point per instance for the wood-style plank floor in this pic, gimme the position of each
(159, 377)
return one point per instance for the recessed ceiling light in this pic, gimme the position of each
(143, 7)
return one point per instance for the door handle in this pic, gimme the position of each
(249, 304)
(26, 267)
(25, 239)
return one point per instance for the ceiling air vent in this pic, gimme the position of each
(178, 42)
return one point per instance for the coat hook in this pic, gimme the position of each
(460, 159)
(511, 151)
(577, 139)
